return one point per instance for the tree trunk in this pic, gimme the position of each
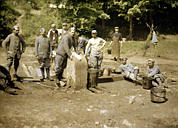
(131, 28)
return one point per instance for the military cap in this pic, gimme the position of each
(53, 25)
(42, 30)
(64, 24)
(16, 27)
(151, 60)
(93, 31)
(123, 58)
(116, 27)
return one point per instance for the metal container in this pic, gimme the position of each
(158, 95)
(147, 83)
(92, 77)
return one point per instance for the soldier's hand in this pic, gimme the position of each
(71, 57)
(37, 57)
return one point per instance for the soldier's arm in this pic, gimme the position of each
(6, 43)
(88, 45)
(23, 45)
(104, 43)
(36, 47)
(66, 47)
(49, 33)
(154, 72)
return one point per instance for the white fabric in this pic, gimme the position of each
(154, 38)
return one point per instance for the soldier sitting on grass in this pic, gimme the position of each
(154, 73)
(128, 70)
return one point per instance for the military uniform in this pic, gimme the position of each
(62, 53)
(96, 56)
(53, 36)
(129, 70)
(14, 46)
(82, 42)
(43, 50)
(61, 33)
(116, 38)
(157, 77)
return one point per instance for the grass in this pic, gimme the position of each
(167, 48)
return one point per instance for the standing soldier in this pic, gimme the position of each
(96, 44)
(42, 52)
(14, 46)
(63, 31)
(62, 53)
(53, 36)
(115, 43)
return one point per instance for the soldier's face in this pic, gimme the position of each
(94, 35)
(64, 27)
(116, 30)
(53, 28)
(16, 31)
(124, 61)
(150, 64)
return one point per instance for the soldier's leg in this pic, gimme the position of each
(9, 63)
(47, 67)
(59, 69)
(16, 64)
(100, 60)
(159, 81)
(93, 60)
(42, 72)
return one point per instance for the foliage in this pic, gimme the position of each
(7, 19)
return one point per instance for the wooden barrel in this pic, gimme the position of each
(92, 77)
(158, 95)
(147, 83)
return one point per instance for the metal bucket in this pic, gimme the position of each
(158, 95)
(147, 83)
(92, 77)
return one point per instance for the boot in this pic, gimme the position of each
(57, 81)
(48, 74)
(10, 91)
(42, 72)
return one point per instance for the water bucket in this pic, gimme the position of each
(109, 51)
(147, 83)
(158, 95)
(92, 77)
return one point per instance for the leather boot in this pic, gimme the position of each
(42, 72)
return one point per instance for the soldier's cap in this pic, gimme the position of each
(64, 24)
(93, 31)
(72, 29)
(123, 58)
(116, 27)
(53, 25)
(16, 27)
(42, 30)
(151, 60)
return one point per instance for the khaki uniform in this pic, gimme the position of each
(43, 50)
(14, 46)
(157, 77)
(116, 38)
(62, 53)
(53, 36)
(96, 56)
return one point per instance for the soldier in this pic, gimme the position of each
(81, 43)
(5, 81)
(53, 36)
(63, 31)
(96, 44)
(14, 46)
(115, 43)
(42, 52)
(128, 70)
(154, 73)
(62, 53)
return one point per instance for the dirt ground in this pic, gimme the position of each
(120, 104)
